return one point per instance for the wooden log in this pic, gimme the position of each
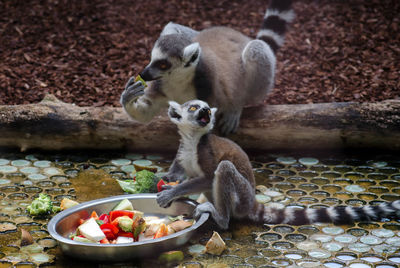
(54, 125)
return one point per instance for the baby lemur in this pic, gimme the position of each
(218, 65)
(221, 170)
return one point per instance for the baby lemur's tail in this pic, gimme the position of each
(336, 215)
(277, 16)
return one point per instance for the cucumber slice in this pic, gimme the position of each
(83, 239)
(138, 214)
(125, 204)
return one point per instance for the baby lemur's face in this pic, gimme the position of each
(192, 115)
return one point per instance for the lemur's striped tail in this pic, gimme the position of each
(336, 215)
(277, 16)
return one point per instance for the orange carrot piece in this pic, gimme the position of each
(94, 215)
(162, 231)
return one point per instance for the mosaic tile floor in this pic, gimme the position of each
(286, 180)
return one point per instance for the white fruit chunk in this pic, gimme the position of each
(215, 245)
(91, 230)
(123, 239)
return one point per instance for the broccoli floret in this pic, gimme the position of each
(146, 182)
(41, 205)
(55, 209)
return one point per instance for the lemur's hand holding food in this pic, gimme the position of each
(133, 89)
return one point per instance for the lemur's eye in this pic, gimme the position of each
(192, 108)
(163, 64)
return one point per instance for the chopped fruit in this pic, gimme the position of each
(67, 203)
(215, 245)
(162, 231)
(125, 226)
(125, 204)
(124, 239)
(91, 230)
(119, 213)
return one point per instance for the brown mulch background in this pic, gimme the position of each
(84, 51)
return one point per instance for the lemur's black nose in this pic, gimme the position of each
(146, 75)
(204, 116)
(204, 110)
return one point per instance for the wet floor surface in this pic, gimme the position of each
(282, 179)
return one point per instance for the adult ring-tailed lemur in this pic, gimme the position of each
(218, 65)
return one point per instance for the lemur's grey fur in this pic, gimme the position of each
(218, 65)
(221, 170)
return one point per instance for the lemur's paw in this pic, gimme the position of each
(206, 207)
(133, 90)
(166, 187)
(168, 178)
(228, 122)
(165, 198)
(222, 223)
(172, 178)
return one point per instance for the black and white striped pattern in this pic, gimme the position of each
(336, 215)
(277, 16)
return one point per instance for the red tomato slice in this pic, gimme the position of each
(126, 234)
(160, 184)
(109, 226)
(109, 234)
(118, 213)
(104, 218)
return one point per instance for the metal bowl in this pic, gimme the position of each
(65, 222)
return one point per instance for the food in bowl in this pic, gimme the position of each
(123, 224)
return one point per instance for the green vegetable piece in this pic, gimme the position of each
(100, 222)
(41, 205)
(139, 78)
(127, 186)
(82, 239)
(125, 223)
(75, 233)
(125, 204)
(176, 218)
(55, 209)
(139, 229)
(146, 182)
(171, 256)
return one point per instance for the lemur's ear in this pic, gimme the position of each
(191, 54)
(213, 111)
(174, 111)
